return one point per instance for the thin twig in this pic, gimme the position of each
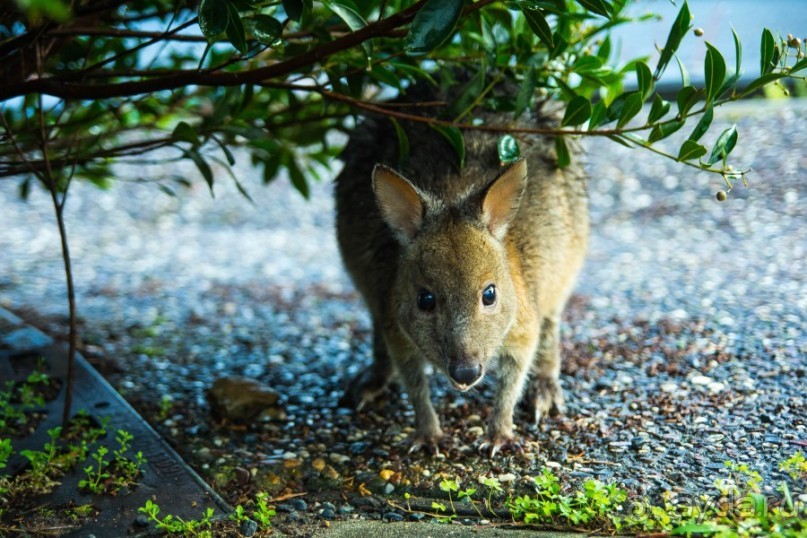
(58, 206)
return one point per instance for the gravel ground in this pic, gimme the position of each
(684, 343)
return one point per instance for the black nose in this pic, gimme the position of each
(464, 373)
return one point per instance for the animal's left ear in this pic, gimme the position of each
(503, 197)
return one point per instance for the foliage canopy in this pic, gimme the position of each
(94, 82)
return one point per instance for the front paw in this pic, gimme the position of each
(544, 397)
(430, 442)
(364, 389)
(498, 442)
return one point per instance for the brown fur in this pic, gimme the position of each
(431, 226)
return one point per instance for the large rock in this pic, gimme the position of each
(242, 399)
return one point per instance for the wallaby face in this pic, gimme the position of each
(454, 295)
(455, 298)
(467, 269)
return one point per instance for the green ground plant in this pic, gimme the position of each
(175, 525)
(65, 450)
(258, 510)
(737, 508)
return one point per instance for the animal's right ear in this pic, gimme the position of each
(400, 202)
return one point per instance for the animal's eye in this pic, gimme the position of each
(426, 301)
(489, 296)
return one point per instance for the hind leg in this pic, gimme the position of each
(371, 383)
(544, 395)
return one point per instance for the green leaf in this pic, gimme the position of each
(235, 29)
(658, 109)
(537, 22)
(600, 7)
(759, 504)
(403, 142)
(203, 167)
(798, 66)
(433, 24)
(703, 124)
(525, 92)
(454, 137)
(691, 150)
(767, 51)
(698, 528)
(298, 178)
(267, 30)
(353, 20)
(578, 111)
(620, 140)
(562, 151)
(604, 52)
(683, 70)
(762, 81)
(212, 18)
(644, 79)
(686, 99)
(508, 150)
(598, 114)
(632, 106)
(294, 9)
(227, 153)
(678, 30)
(663, 130)
(724, 144)
(738, 52)
(460, 107)
(714, 72)
(185, 133)
(587, 65)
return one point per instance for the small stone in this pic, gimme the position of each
(318, 464)
(299, 504)
(330, 473)
(240, 398)
(328, 506)
(346, 509)
(552, 465)
(507, 477)
(417, 516)
(388, 488)
(327, 514)
(700, 380)
(386, 474)
(392, 516)
(248, 528)
(359, 447)
(294, 517)
(285, 508)
(142, 521)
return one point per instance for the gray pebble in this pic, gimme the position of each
(299, 504)
(285, 508)
(392, 516)
(327, 513)
(248, 528)
(142, 521)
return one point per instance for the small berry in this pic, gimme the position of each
(721, 196)
(698, 31)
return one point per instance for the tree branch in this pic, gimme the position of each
(53, 86)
